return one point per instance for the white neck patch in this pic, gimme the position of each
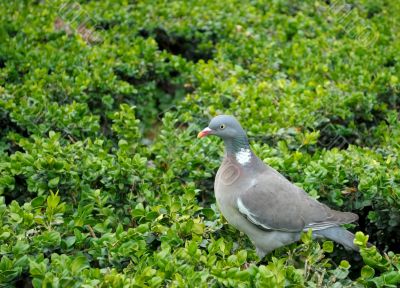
(243, 156)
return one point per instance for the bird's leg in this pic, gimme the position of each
(261, 253)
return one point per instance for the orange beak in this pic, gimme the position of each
(204, 133)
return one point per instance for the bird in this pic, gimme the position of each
(263, 204)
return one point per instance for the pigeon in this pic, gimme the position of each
(262, 203)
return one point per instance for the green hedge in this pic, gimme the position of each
(103, 182)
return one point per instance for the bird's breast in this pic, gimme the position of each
(227, 186)
(228, 175)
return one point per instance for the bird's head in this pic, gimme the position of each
(223, 126)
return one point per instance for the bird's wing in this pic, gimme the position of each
(274, 203)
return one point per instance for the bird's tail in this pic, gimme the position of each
(339, 235)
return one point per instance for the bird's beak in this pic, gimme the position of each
(204, 133)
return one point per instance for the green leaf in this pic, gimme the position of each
(48, 239)
(388, 279)
(367, 272)
(37, 269)
(306, 237)
(68, 242)
(327, 246)
(192, 248)
(208, 212)
(5, 235)
(78, 264)
(54, 182)
(22, 262)
(344, 264)
(53, 200)
(198, 228)
(20, 247)
(360, 239)
(38, 201)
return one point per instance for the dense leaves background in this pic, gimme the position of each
(103, 183)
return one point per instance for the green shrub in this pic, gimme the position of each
(102, 180)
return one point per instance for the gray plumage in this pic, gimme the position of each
(262, 203)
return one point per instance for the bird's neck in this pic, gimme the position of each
(239, 148)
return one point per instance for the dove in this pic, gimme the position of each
(259, 201)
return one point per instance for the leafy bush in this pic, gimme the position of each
(102, 182)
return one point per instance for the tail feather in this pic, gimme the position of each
(346, 217)
(339, 235)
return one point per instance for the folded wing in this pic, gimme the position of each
(273, 203)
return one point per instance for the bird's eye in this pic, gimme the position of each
(222, 126)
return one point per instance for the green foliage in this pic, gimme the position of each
(102, 180)
(380, 270)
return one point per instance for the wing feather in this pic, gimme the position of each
(274, 203)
